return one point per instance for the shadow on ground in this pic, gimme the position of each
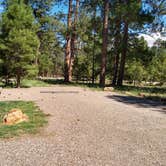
(148, 89)
(52, 92)
(140, 102)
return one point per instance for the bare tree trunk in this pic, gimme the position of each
(18, 81)
(94, 46)
(37, 56)
(104, 45)
(68, 44)
(116, 58)
(36, 63)
(6, 80)
(123, 56)
(74, 40)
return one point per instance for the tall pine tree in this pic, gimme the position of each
(19, 42)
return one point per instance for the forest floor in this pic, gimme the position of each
(88, 128)
(155, 93)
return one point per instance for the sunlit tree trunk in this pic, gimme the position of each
(74, 40)
(68, 44)
(104, 44)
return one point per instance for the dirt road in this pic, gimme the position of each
(88, 128)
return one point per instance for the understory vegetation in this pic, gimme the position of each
(151, 92)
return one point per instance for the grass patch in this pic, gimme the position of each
(149, 92)
(77, 84)
(33, 83)
(155, 93)
(37, 119)
(1, 84)
(27, 83)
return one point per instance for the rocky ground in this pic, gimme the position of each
(88, 128)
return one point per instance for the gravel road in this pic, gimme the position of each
(88, 128)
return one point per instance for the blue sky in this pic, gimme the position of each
(58, 8)
(1, 9)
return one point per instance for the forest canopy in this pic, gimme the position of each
(95, 40)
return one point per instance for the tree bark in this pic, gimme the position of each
(68, 45)
(123, 55)
(94, 46)
(18, 79)
(116, 58)
(104, 45)
(73, 40)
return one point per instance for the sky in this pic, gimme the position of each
(152, 38)
(58, 8)
(1, 9)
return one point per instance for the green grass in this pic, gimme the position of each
(37, 119)
(33, 83)
(50, 82)
(1, 84)
(149, 92)
(76, 84)
(27, 83)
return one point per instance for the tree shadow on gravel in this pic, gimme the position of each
(139, 102)
(142, 89)
(59, 92)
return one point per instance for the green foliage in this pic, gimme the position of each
(82, 68)
(26, 22)
(18, 32)
(145, 63)
(27, 83)
(50, 48)
(45, 65)
(135, 71)
(157, 67)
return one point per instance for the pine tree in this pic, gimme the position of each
(74, 38)
(49, 45)
(19, 40)
(104, 46)
(67, 73)
(127, 18)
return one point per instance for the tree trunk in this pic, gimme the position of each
(18, 79)
(37, 56)
(123, 55)
(73, 40)
(104, 45)
(116, 58)
(68, 45)
(94, 46)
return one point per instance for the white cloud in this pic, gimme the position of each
(152, 38)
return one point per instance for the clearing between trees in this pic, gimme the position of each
(88, 128)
